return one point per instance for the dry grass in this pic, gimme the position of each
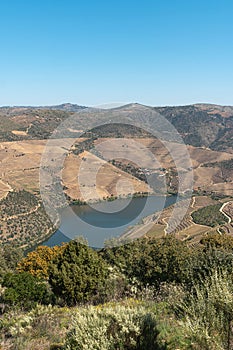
(158, 156)
(202, 201)
(94, 178)
(4, 189)
(20, 162)
(18, 132)
(157, 231)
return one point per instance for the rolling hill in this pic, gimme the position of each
(206, 129)
(200, 125)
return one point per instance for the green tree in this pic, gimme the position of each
(25, 290)
(76, 273)
(217, 241)
(9, 258)
(152, 261)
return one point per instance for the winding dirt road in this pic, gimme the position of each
(221, 210)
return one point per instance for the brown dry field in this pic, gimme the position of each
(157, 156)
(20, 162)
(200, 202)
(20, 133)
(4, 189)
(94, 178)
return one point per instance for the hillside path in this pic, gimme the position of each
(221, 210)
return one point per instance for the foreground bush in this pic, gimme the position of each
(112, 327)
(37, 262)
(25, 290)
(38, 329)
(206, 314)
(77, 273)
(152, 261)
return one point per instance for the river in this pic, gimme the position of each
(105, 220)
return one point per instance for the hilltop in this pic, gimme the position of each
(200, 125)
(69, 107)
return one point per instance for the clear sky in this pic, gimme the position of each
(158, 52)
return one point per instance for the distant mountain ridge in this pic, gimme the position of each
(203, 125)
(69, 107)
(200, 125)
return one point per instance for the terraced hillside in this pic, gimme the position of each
(23, 220)
(204, 215)
(205, 128)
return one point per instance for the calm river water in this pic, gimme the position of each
(105, 220)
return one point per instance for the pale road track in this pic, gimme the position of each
(193, 202)
(221, 210)
(30, 125)
(7, 184)
(10, 189)
(22, 214)
(165, 220)
(138, 231)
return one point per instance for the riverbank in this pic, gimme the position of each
(48, 236)
(105, 220)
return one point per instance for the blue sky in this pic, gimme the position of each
(161, 52)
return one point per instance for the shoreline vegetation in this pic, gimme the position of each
(50, 231)
(112, 198)
(29, 210)
(107, 199)
(142, 221)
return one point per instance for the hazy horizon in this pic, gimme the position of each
(112, 103)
